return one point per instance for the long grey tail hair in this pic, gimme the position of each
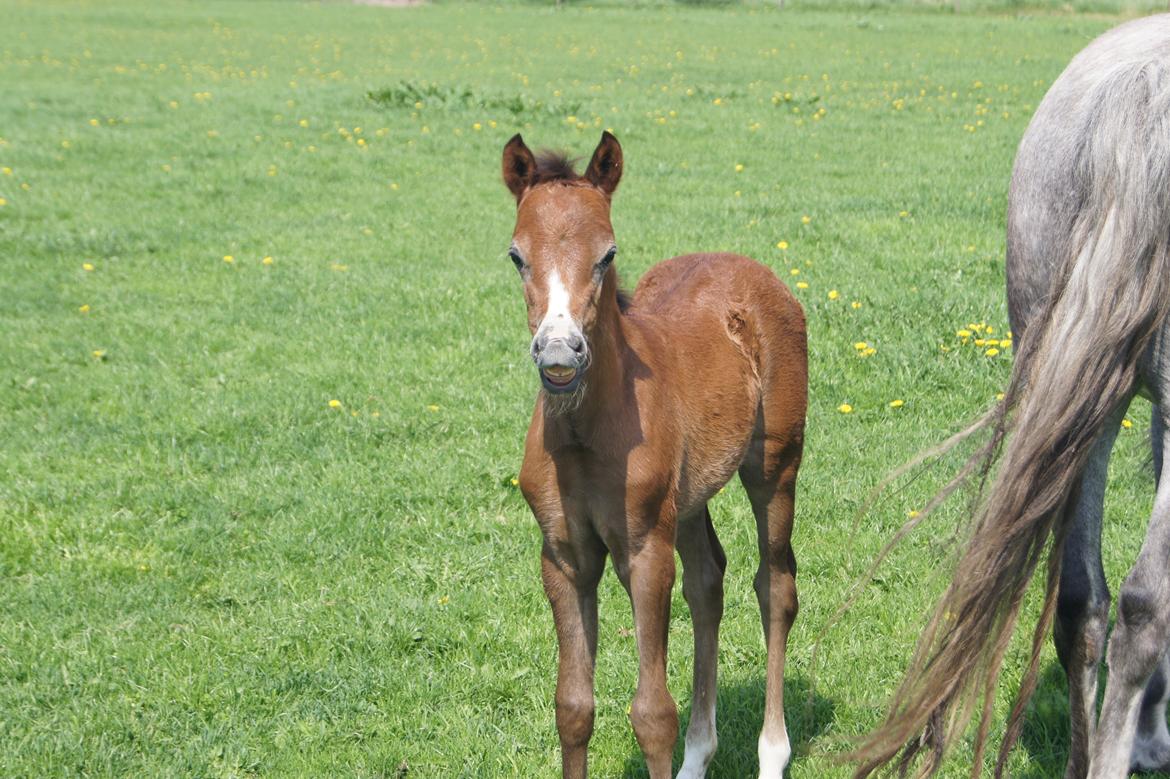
(1077, 361)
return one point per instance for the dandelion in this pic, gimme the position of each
(229, 259)
(339, 267)
(173, 104)
(515, 482)
(477, 127)
(912, 514)
(782, 246)
(903, 214)
(95, 122)
(805, 219)
(794, 272)
(375, 414)
(992, 352)
(83, 309)
(433, 407)
(335, 403)
(860, 345)
(87, 266)
(1126, 423)
(897, 403)
(845, 408)
(739, 167)
(802, 285)
(99, 354)
(3, 202)
(856, 304)
(303, 123)
(6, 171)
(267, 261)
(999, 396)
(394, 186)
(444, 600)
(834, 294)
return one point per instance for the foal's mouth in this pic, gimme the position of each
(559, 378)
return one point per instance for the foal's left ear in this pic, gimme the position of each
(605, 169)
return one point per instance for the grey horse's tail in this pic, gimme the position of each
(1076, 363)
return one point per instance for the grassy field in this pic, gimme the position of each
(264, 374)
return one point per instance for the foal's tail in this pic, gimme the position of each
(1077, 362)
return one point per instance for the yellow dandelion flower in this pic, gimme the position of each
(335, 403)
(869, 352)
(515, 482)
(339, 267)
(963, 333)
(980, 342)
(95, 122)
(3, 202)
(897, 403)
(84, 309)
(903, 214)
(860, 345)
(173, 104)
(6, 171)
(739, 167)
(834, 294)
(794, 272)
(99, 354)
(856, 304)
(805, 219)
(432, 407)
(999, 396)
(394, 186)
(802, 285)
(1126, 423)
(845, 408)
(477, 127)
(267, 261)
(375, 414)
(992, 352)
(87, 266)
(912, 514)
(229, 259)
(303, 123)
(782, 245)
(444, 600)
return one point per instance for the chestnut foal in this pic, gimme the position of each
(646, 410)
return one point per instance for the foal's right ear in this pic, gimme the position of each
(519, 166)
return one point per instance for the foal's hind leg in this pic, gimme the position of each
(769, 475)
(703, 565)
(1137, 646)
(1082, 609)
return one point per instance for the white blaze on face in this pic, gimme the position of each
(557, 322)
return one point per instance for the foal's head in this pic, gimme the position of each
(563, 247)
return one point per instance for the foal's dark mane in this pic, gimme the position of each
(558, 166)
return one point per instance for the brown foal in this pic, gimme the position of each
(647, 408)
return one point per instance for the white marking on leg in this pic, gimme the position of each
(774, 756)
(701, 745)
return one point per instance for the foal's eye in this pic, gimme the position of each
(605, 261)
(516, 259)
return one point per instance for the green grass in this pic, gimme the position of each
(208, 571)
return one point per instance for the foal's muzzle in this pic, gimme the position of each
(561, 361)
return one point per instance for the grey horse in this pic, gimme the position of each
(1088, 284)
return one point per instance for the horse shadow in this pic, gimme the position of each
(740, 707)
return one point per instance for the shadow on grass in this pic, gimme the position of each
(739, 717)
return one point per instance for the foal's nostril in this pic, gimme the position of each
(576, 343)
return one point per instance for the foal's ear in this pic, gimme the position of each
(605, 169)
(519, 166)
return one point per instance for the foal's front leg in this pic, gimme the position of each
(570, 576)
(648, 576)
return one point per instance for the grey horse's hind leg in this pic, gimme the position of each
(1082, 607)
(1151, 748)
(1138, 645)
